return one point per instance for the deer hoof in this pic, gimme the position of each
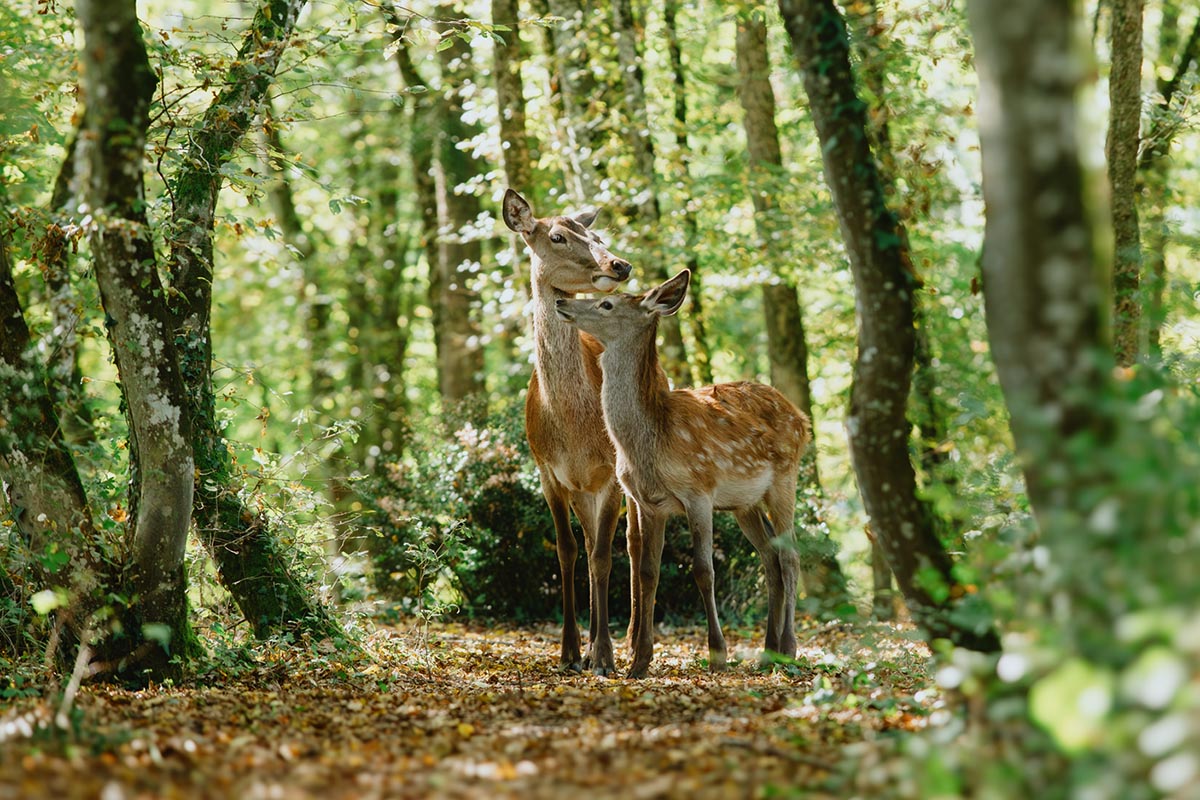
(571, 666)
(637, 672)
(600, 666)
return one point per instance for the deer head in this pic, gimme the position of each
(567, 254)
(624, 316)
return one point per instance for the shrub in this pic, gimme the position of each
(464, 515)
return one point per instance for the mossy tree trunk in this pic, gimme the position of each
(869, 41)
(60, 546)
(646, 221)
(702, 350)
(460, 346)
(1047, 316)
(423, 121)
(787, 347)
(877, 425)
(579, 97)
(250, 560)
(1121, 149)
(118, 84)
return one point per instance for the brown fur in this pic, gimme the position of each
(563, 419)
(734, 446)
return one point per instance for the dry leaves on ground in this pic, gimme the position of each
(453, 711)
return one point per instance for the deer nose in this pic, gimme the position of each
(562, 301)
(622, 268)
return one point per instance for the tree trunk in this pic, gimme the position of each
(510, 97)
(1044, 291)
(580, 97)
(422, 127)
(644, 186)
(43, 488)
(248, 555)
(930, 412)
(1125, 111)
(787, 348)
(517, 157)
(702, 350)
(883, 593)
(118, 83)
(52, 251)
(460, 348)
(877, 425)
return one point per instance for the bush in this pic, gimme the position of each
(462, 521)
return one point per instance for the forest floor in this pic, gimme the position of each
(458, 711)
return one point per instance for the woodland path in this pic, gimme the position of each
(471, 712)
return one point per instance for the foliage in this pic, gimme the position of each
(327, 388)
(463, 522)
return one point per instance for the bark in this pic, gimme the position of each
(314, 299)
(460, 349)
(43, 489)
(516, 152)
(249, 558)
(787, 347)
(580, 97)
(1125, 110)
(1046, 301)
(645, 186)
(380, 298)
(118, 84)
(883, 593)
(877, 425)
(52, 251)
(510, 96)
(931, 414)
(388, 344)
(423, 123)
(701, 351)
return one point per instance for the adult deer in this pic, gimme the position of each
(563, 421)
(732, 446)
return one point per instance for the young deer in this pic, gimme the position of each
(563, 421)
(733, 446)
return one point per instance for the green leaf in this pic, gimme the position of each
(158, 632)
(46, 601)
(1072, 703)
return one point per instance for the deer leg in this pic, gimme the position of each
(756, 528)
(699, 514)
(564, 540)
(601, 514)
(633, 545)
(781, 505)
(652, 529)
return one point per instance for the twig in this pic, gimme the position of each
(63, 718)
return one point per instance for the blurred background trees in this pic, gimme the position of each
(347, 312)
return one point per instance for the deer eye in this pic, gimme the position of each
(606, 305)
(557, 238)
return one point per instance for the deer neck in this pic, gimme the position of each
(558, 354)
(633, 396)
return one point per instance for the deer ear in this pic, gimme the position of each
(518, 215)
(586, 218)
(668, 297)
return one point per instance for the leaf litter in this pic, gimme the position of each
(468, 711)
